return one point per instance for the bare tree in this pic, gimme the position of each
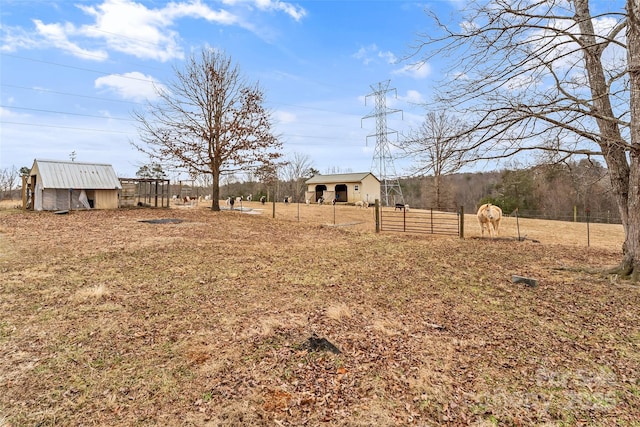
(8, 180)
(437, 147)
(268, 175)
(209, 120)
(297, 168)
(551, 76)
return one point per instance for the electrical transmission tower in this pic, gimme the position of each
(382, 165)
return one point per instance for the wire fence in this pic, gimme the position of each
(577, 215)
(586, 230)
(339, 214)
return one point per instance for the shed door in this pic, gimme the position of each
(341, 193)
(37, 195)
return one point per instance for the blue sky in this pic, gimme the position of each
(72, 71)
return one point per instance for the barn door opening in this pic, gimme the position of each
(341, 193)
(320, 189)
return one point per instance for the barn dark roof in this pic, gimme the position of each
(339, 178)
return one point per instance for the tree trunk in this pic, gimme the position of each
(624, 177)
(437, 182)
(630, 265)
(631, 248)
(215, 190)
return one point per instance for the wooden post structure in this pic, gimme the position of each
(461, 227)
(334, 212)
(377, 213)
(24, 192)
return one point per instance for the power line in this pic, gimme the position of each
(76, 68)
(65, 112)
(62, 127)
(37, 89)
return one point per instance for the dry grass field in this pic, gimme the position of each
(206, 320)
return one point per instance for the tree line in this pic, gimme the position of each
(564, 192)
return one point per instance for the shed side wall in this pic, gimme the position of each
(370, 189)
(105, 199)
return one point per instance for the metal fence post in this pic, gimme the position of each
(588, 236)
(334, 213)
(518, 225)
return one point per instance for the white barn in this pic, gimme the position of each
(345, 187)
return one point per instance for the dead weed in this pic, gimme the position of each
(107, 320)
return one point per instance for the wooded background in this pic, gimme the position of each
(547, 191)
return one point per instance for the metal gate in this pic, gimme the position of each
(430, 221)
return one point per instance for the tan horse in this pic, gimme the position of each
(489, 217)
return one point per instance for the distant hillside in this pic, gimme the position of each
(548, 191)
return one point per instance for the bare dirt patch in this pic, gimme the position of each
(108, 320)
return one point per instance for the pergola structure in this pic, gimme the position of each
(149, 192)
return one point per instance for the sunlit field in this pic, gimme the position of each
(185, 316)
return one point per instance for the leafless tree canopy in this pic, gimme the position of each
(554, 75)
(437, 147)
(210, 121)
(523, 76)
(297, 168)
(8, 180)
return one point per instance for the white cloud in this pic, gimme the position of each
(132, 28)
(364, 54)
(15, 38)
(468, 27)
(371, 53)
(294, 11)
(416, 71)
(57, 36)
(146, 32)
(389, 57)
(134, 86)
(284, 117)
(9, 114)
(413, 97)
(563, 53)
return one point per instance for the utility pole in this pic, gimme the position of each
(382, 165)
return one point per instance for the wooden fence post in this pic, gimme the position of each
(24, 193)
(588, 235)
(461, 227)
(377, 212)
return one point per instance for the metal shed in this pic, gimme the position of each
(345, 187)
(62, 185)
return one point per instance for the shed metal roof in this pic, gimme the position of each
(338, 178)
(89, 176)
